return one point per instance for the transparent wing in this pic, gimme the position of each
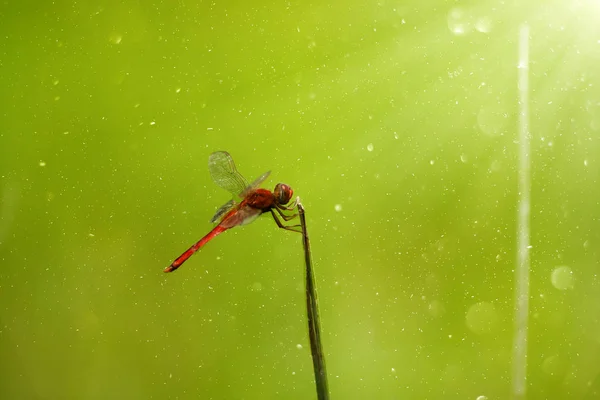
(223, 210)
(244, 216)
(224, 174)
(255, 184)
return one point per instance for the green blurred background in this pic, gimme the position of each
(396, 122)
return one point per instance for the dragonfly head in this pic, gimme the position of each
(283, 193)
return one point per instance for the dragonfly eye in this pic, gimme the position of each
(283, 193)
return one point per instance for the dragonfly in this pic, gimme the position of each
(248, 203)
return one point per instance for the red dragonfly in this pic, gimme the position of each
(252, 202)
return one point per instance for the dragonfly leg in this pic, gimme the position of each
(289, 207)
(285, 217)
(293, 228)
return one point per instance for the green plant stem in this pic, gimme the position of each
(312, 310)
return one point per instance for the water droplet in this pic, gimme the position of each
(299, 346)
(482, 318)
(178, 90)
(481, 398)
(458, 22)
(42, 163)
(562, 278)
(370, 147)
(115, 38)
(483, 24)
(338, 207)
(463, 158)
(431, 162)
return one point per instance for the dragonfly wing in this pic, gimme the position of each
(222, 211)
(224, 174)
(243, 216)
(255, 184)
